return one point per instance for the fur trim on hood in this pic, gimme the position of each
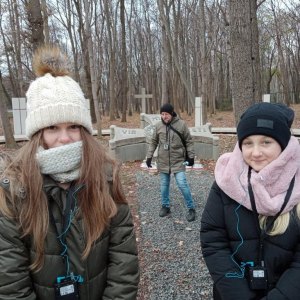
(269, 185)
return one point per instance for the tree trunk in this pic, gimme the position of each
(92, 69)
(175, 54)
(284, 74)
(36, 23)
(204, 61)
(112, 63)
(8, 134)
(46, 25)
(245, 55)
(17, 42)
(124, 63)
(164, 58)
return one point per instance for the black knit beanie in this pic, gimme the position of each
(273, 120)
(167, 107)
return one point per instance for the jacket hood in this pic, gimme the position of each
(269, 185)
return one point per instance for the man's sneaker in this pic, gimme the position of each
(164, 211)
(191, 215)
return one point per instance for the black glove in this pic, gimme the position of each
(191, 161)
(148, 162)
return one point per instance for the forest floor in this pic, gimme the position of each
(129, 169)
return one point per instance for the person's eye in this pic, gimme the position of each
(247, 143)
(75, 126)
(266, 142)
(52, 127)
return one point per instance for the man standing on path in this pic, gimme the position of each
(173, 139)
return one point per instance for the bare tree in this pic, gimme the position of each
(124, 63)
(92, 69)
(175, 54)
(204, 62)
(111, 32)
(36, 22)
(245, 55)
(46, 25)
(9, 137)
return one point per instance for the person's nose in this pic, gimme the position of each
(64, 137)
(256, 150)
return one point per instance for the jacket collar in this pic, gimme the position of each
(269, 186)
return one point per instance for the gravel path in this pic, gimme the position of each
(173, 265)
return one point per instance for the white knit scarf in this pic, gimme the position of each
(61, 163)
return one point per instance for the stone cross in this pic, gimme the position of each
(143, 96)
(198, 112)
(266, 98)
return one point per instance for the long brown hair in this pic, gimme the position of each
(97, 199)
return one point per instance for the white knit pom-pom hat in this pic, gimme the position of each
(54, 98)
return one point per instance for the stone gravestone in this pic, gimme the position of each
(205, 143)
(143, 96)
(127, 144)
(147, 119)
(19, 106)
(266, 98)
(19, 115)
(198, 112)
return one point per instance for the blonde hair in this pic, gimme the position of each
(97, 200)
(281, 223)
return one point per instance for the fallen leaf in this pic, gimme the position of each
(178, 222)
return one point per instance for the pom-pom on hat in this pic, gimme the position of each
(273, 120)
(167, 107)
(54, 97)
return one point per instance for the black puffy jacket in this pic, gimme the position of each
(220, 238)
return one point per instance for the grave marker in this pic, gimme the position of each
(266, 98)
(198, 112)
(143, 96)
(19, 106)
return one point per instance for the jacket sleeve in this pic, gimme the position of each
(217, 253)
(123, 266)
(288, 285)
(188, 141)
(153, 144)
(15, 281)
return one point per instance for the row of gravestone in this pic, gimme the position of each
(132, 144)
(129, 144)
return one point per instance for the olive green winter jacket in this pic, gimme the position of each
(172, 159)
(111, 270)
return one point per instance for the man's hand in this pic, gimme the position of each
(191, 161)
(148, 162)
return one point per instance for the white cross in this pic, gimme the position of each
(143, 96)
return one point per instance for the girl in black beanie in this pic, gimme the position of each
(250, 233)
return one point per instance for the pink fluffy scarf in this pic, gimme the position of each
(269, 186)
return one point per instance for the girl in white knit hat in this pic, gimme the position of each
(66, 230)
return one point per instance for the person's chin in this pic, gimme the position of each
(258, 166)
